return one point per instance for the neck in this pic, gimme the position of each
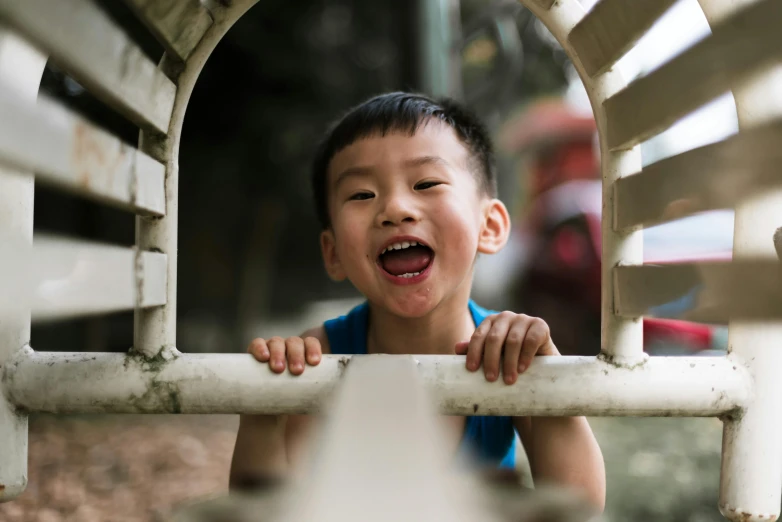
(435, 333)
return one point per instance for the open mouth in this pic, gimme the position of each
(406, 259)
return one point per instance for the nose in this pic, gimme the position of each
(395, 210)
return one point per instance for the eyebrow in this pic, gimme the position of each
(365, 171)
(425, 160)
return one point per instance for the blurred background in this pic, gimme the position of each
(249, 261)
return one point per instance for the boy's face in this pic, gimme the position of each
(414, 192)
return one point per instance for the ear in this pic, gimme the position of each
(328, 248)
(495, 228)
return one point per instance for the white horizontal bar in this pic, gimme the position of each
(611, 28)
(78, 278)
(711, 177)
(98, 54)
(738, 46)
(235, 383)
(748, 289)
(68, 152)
(178, 24)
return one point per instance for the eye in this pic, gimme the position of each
(427, 184)
(361, 196)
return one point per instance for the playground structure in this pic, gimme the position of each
(55, 278)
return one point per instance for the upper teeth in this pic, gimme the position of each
(399, 246)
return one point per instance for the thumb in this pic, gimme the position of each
(461, 347)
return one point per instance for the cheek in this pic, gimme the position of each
(351, 239)
(462, 228)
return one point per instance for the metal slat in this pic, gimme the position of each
(178, 24)
(611, 28)
(545, 4)
(72, 279)
(740, 45)
(711, 177)
(98, 54)
(724, 290)
(66, 151)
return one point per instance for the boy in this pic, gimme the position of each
(405, 191)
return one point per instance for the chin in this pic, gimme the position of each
(411, 306)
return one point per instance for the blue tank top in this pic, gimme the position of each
(488, 439)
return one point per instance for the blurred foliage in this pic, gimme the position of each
(537, 67)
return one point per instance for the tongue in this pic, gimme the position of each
(407, 261)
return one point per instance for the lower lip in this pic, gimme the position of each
(402, 281)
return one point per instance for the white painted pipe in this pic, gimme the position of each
(234, 383)
(751, 475)
(21, 68)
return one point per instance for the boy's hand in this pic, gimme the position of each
(294, 351)
(514, 338)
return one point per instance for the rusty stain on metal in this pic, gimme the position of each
(740, 515)
(138, 266)
(133, 182)
(90, 155)
(95, 158)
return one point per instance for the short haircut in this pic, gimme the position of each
(402, 112)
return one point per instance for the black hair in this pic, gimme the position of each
(402, 112)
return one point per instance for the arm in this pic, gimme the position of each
(268, 447)
(564, 451)
(561, 450)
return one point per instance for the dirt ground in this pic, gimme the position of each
(140, 468)
(121, 468)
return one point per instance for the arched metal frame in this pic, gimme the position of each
(157, 378)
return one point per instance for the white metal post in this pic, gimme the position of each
(21, 67)
(621, 338)
(155, 328)
(751, 475)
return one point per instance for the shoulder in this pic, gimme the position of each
(319, 333)
(347, 334)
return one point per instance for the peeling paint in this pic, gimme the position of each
(619, 363)
(159, 394)
(138, 269)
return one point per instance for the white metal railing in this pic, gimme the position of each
(41, 140)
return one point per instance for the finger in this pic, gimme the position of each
(475, 345)
(492, 348)
(461, 347)
(312, 350)
(276, 354)
(549, 348)
(259, 350)
(294, 347)
(513, 342)
(537, 336)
